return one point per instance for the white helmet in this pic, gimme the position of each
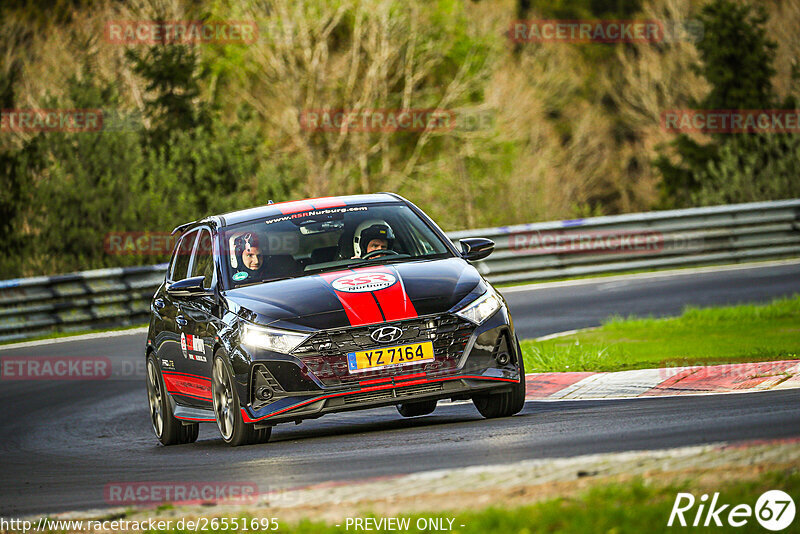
(384, 230)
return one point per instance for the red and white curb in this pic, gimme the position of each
(729, 378)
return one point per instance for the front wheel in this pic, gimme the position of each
(227, 412)
(168, 429)
(507, 403)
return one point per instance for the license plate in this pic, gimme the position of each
(384, 357)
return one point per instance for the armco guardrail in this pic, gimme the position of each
(79, 301)
(530, 252)
(641, 241)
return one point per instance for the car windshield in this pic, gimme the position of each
(288, 246)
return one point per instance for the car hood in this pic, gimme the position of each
(359, 296)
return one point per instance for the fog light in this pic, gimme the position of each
(503, 358)
(264, 393)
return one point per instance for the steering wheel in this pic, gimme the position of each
(375, 253)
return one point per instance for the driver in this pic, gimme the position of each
(378, 236)
(250, 258)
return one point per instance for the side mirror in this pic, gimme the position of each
(476, 248)
(189, 287)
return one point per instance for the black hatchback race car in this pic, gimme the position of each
(297, 309)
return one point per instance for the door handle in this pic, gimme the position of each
(159, 304)
(181, 320)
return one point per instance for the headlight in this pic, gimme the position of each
(272, 338)
(481, 308)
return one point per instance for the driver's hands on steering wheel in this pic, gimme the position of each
(376, 253)
(381, 252)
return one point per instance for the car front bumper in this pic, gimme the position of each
(396, 390)
(470, 364)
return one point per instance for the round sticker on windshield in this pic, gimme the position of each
(360, 283)
(238, 277)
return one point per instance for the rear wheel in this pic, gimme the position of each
(168, 429)
(507, 403)
(415, 409)
(227, 411)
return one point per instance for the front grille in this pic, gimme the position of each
(418, 390)
(367, 397)
(325, 353)
(407, 391)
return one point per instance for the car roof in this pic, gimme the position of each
(293, 206)
(309, 204)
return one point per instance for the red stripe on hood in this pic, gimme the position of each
(393, 300)
(361, 308)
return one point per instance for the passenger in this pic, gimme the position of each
(250, 259)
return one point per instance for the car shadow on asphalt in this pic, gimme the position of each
(346, 425)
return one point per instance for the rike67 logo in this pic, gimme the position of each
(361, 283)
(774, 510)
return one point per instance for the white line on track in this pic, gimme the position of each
(659, 396)
(565, 333)
(644, 397)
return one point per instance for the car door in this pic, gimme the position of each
(197, 335)
(172, 337)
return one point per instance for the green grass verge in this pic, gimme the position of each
(640, 506)
(709, 336)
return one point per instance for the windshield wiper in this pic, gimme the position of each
(360, 263)
(276, 279)
(257, 282)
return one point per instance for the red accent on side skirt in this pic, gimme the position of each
(187, 385)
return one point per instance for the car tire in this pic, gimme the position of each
(507, 403)
(168, 429)
(227, 410)
(415, 409)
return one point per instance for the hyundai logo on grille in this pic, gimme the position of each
(386, 334)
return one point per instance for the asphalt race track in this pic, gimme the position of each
(63, 441)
